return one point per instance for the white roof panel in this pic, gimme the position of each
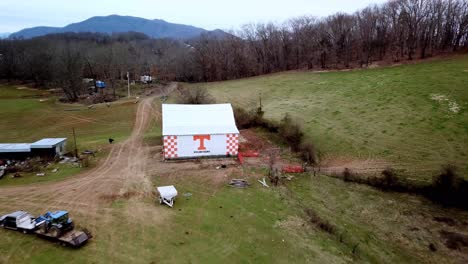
(47, 142)
(16, 147)
(167, 191)
(179, 119)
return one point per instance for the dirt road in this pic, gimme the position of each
(123, 171)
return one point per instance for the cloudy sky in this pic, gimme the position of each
(208, 14)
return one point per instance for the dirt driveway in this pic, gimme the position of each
(123, 169)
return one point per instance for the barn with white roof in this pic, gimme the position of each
(192, 131)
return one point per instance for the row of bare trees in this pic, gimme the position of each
(64, 60)
(395, 31)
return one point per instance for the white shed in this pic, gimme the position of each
(191, 131)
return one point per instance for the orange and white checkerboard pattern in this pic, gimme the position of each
(170, 147)
(232, 144)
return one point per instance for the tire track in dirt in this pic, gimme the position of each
(124, 167)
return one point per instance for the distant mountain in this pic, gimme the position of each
(4, 35)
(156, 28)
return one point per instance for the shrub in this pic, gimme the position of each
(291, 132)
(316, 220)
(390, 178)
(448, 188)
(308, 153)
(347, 175)
(447, 181)
(390, 181)
(196, 95)
(243, 118)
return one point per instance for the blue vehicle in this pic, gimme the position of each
(54, 226)
(100, 84)
(55, 223)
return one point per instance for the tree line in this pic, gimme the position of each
(63, 60)
(394, 31)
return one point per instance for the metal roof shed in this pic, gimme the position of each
(14, 150)
(47, 142)
(192, 131)
(15, 147)
(49, 147)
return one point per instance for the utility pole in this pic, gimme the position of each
(128, 83)
(74, 140)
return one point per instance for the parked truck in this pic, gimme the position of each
(54, 226)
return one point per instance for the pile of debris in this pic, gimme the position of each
(239, 183)
(72, 160)
(16, 166)
(33, 165)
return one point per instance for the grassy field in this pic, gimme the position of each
(23, 113)
(153, 135)
(216, 223)
(345, 113)
(401, 114)
(28, 115)
(63, 171)
(255, 225)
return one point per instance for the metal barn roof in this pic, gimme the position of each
(179, 119)
(16, 147)
(47, 142)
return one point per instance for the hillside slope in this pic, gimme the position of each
(114, 23)
(414, 116)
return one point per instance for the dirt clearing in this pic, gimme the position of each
(122, 170)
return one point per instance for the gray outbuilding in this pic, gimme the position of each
(46, 147)
(15, 150)
(49, 147)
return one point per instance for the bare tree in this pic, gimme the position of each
(394, 31)
(69, 71)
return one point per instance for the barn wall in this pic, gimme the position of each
(14, 155)
(193, 146)
(43, 152)
(60, 149)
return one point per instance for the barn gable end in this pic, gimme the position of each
(192, 131)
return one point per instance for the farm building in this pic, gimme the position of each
(47, 147)
(192, 131)
(15, 151)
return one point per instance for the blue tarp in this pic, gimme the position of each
(100, 84)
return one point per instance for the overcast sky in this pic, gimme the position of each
(208, 14)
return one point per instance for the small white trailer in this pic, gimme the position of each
(167, 195)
